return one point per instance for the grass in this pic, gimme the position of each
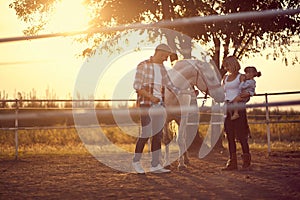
(284, 137)
(277, 145)
(80, 149)
(8, 152)
(39, 149)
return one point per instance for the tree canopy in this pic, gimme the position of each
(239, 37)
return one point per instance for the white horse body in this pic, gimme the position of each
(186, 74)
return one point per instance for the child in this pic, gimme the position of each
(247, 86)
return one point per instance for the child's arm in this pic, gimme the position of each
(251, 89)
(245, 84)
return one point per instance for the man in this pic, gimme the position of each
(150, 81)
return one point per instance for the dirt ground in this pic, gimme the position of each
(83, 177)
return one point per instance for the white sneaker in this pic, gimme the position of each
(159, 169)
(138, 167)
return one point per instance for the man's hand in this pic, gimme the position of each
(146, 94)
(154, 99)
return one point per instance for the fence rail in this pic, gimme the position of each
(16, 116)
(164, 24)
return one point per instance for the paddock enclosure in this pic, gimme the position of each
(50, 115)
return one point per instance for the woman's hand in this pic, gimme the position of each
(245, 94)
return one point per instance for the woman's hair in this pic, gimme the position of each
(233, 62)
(252, 68)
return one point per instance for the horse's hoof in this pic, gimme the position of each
(167, 165)
(186, 162)
(182, 167)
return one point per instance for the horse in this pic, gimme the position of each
(187, 74)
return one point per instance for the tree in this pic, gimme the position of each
(241, 38)
(34, 13)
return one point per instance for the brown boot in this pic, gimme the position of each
(246, 160)
(231, 163)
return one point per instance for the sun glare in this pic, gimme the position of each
(70, 15)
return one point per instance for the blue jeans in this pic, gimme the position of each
(152, 126)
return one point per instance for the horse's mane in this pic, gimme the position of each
(180, 63)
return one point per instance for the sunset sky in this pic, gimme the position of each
(52, 63)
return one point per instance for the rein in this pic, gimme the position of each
(205, 97)
(207, 90)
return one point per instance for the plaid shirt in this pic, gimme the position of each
(144, 79)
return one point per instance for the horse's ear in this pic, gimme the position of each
(173, 57)
(222, 71)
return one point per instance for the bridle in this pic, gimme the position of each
(208, 86)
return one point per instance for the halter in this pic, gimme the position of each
(208, 87)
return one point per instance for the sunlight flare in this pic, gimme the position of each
(70, 15)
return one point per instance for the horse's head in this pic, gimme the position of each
(208, 77)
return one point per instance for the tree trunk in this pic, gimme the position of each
(216, 56)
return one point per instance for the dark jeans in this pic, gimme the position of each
(152, 125)
(237, 129)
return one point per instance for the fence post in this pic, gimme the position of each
(16, 129)
(268, 124)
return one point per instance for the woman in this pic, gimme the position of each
(238, 128)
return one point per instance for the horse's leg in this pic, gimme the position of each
(184, 101)
(191, 128)
(166, 141)
(181, 142)
(186, 158)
